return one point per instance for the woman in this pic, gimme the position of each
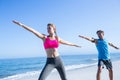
(51, 44)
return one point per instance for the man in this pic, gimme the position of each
(103, 53)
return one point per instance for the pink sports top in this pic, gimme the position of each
(51, 43)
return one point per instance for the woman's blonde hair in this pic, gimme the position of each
(54, 27)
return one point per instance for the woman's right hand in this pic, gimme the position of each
(81, 36)
(18, 23)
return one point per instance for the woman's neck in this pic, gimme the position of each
(51, 35)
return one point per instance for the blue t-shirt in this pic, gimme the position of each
(102, 47)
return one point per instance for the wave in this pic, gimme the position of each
(22, 76)
(72, 67)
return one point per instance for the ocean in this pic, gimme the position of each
(13, 69)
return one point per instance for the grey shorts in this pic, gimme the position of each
(107, 63)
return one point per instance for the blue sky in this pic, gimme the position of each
(72, 17)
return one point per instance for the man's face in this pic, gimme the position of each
(100, 35)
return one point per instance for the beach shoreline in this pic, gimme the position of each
(87, 73)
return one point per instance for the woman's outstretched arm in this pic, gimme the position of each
(68, 43)
(30, 29)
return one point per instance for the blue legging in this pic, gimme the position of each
(52, 63)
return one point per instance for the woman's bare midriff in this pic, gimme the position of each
(52, 52)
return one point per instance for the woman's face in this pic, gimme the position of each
(50, 30)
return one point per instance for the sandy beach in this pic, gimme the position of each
(88, 73)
